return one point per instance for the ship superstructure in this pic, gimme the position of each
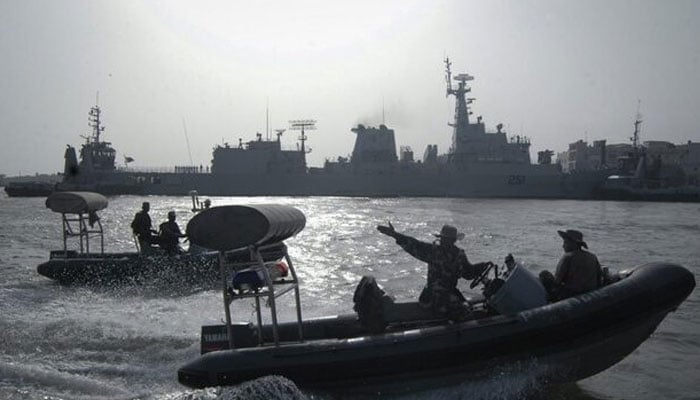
(470, 141)
(258, 157)
(96, 156)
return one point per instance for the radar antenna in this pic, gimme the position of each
(279, 133)
(302, 125)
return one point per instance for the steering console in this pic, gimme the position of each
(482, 277)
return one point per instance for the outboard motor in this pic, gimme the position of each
(370, 301)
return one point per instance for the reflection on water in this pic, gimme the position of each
(61, 342)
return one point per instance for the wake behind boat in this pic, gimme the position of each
(88, 263)
(401, 347)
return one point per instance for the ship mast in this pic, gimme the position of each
(461, 119)
(95, 124)
(301, 124)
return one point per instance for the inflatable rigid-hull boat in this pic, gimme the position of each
(236, 225)
(571, 339)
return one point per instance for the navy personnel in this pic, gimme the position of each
(170, 235)
(446, 264)
(578, 270)
(141, 226)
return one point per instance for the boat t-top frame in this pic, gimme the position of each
(79, 217)
(250, 243)
(265, 289)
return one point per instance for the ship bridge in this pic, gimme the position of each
(257, 157)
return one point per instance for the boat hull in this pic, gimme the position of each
(569, 340)
(201, 269)
(130, 268)
(29, 189)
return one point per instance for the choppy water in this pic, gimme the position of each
(127, 343)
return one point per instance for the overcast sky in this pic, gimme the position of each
(555, 71)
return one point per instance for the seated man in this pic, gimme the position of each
(446, 264)
(170, 235)
(578, 270)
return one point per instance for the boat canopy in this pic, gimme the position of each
(76, 202)
(232, 227)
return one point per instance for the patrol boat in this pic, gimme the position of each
(393, 347)
(83, 260)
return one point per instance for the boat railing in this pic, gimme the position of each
(257, 264)
(82, 227)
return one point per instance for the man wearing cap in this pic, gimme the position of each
(141, 226)
(446, 264)
(578, 270)
(170, 235)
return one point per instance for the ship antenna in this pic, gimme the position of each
(637, 123)
(448, 76)
(187, 140)
(302, 124)
(383, 116)
(267, 119)
(95, 124)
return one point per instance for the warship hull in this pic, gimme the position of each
(477, 181)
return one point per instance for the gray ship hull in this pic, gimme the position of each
(471, 181)
(478, 181)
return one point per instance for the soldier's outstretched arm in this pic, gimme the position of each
(387, 229)
(414, 247)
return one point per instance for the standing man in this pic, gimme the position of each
(170, 235)
(578, 270)
(141, 226)
(446, 264)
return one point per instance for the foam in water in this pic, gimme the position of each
(265, 388)
(43, 378)
(517, 380)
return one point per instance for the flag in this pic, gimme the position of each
(128, 159)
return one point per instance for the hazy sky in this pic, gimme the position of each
(555, 71)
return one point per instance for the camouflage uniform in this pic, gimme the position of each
(446, 264)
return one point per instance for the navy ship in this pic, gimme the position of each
(478, 163)
(96, 171)
(641, 176)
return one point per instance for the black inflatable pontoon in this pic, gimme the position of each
(572, 339)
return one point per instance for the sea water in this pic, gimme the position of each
(63, 342)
